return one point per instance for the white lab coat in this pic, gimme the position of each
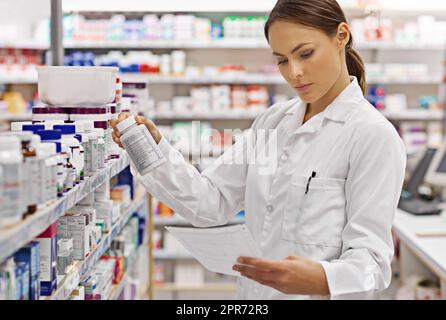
(345, 219)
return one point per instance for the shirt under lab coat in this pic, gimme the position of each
(344, 220)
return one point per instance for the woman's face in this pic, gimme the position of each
(308, 59)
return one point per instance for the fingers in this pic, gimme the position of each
(255, 273)
(261, 264)
(114, 122)
(116, 139)
(150, 126)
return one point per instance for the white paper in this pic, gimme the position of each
(217, 249)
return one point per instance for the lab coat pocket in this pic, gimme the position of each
(318, 217)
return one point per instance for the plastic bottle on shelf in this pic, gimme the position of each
(140, 145)
(83, 140)
(178, 63)
(76, 157)
(11, 181)
(70, 181)
(31, 168)
(48, 152)
(93, 139)
(34, 128)
(54, 136)
(39, 176)
(107, 136)
(84, 128)
(165, 65)
(101, 158)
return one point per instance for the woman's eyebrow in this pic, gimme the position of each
(294, 50)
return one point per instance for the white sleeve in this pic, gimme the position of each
(373, 187)
(207, 199)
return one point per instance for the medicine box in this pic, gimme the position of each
(30, 254)
(48, 260)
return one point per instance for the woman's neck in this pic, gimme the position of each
(320, 105)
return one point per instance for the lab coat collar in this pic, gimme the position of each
(341, 108)
(344, 104)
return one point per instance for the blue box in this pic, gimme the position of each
(30, 254)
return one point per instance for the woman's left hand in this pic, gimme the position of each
(294, 275)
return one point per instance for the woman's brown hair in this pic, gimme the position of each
(325, 15)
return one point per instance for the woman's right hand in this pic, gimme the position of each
(140, 120)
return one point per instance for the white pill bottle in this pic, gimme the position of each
(140, 145)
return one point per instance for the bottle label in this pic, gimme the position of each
(11, 188)
(140, 149)
(33, 180)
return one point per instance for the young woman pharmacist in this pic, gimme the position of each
(323, 216)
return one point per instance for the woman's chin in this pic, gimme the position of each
(306, 97)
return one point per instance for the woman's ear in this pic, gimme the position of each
(343, 35)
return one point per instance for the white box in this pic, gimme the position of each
(77, 85)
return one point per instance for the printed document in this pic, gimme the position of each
(217, 249)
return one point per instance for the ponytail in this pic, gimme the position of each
(355, 66)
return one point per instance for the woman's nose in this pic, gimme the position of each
(296, 70)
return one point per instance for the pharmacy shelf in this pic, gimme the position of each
(245, 43)
(255, 78)
(81, 268)
(212, 115)
(235, 43)
(179, 221)
(12, 239)
(15, 117)
(25, 44)
(196, 287)
(396, 46)
(242, 78)
(117, 288)
(414, 115)
(236, 6)
(408, 81)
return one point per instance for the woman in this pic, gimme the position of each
(323, 216)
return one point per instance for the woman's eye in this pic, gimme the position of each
(279, 62)
(307, 54)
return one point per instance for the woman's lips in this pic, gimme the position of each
(303, 88)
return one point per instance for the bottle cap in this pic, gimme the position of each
(33, 127)
(65, 128)
(46, 135)
(127, 123)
